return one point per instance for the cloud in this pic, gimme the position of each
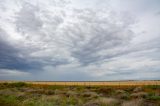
(158, 12)
(12, 58)
(75, 40)
(55, 33)
(7, 73)
(27, 14)
(90, 32)
(12, 73)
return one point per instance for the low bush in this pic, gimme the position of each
(136, 102)
(9, 100)
(153, 96)
(17, 84)
(153, 86)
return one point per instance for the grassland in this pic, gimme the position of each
(79, 93)
(90, 83)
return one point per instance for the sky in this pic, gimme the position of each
(79, 40)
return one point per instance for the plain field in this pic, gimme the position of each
(91, 83)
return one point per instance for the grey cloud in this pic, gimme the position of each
(55, 33)
(10, 56)
(84, 33)
(38, 28)
(136, 75)
(93, 34)
(68, 76)
(28, 19)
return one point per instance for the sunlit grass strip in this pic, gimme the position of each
(90, 83)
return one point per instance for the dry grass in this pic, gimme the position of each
(92, 83)
(137, 102)
(22, 94)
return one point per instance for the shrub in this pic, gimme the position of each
(138, 89)
(90, 94)
(4, 85)
(108, 101)
(129, 89)
(106, 90)
(9, 100)
(153, 96)
(139, 95)
(17, 84)
(137, 102)
(153, 86)
(54, 87)
(103, 102)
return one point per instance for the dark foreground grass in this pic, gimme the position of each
(22, 94)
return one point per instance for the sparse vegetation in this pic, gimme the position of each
(23, 94)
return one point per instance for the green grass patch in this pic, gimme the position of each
(153, 86)
(9, 100)
(154, 97)
(18, 84)
(54, 87)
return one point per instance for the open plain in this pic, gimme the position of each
(113, 93)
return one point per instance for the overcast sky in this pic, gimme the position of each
(64, 40)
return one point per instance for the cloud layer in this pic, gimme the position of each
(63, 40)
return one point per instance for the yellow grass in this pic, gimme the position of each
(91, 83)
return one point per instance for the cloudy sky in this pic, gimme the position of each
(79, 40)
